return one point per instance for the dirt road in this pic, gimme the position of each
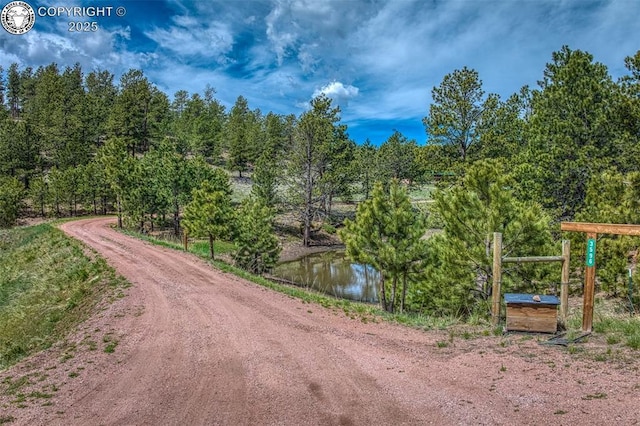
(199, 347)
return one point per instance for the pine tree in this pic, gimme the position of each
(100, 96)
(387, 234)
(570, 132)
(627, 116)
(459, 269)
(265, 179)
(367, 167)
(14, 90)
(72, 185)
(130, 117)
(96, 188)
(238, 133)
(257, 245)
(11, 196)
(39, 193)
(396, 158)
(198, 123)
(56, 189)
(457, 111)
(119, 169)
(337, 172)
(310, 159)
(209, 214)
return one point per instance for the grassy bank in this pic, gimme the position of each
(47, 286)
(199, 247)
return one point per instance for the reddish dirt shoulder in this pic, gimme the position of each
(199, 347)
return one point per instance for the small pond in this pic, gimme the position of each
(332, 273)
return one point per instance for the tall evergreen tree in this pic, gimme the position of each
(265, 180)
(396, 159)
(119, 168)
(14, 89)
(19, 150)
(172, 180)
(210, 128)
(257, 245)
(3, 88)
(57, 190)
(627, 116)
(458, 271)
(100, 97)
(198, 123)
(97, 192)
(209, 213)
(11, 196)
(129, 119)
(458, 109)
(504, 127)
(387, 234)
(76, 149)
(39, 194)
(267, 173)
(308, 158)
(276, 137)
(366, 155)
(336, 168)
(45, 110)
(571, 132)
(238, 134)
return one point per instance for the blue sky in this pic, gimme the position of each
(377, 59)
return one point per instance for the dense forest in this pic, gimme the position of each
(73, 143)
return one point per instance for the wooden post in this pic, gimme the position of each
(589, 286)
(564, 282)
(497, 277)
(185, 240)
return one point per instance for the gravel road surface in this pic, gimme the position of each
(196, 346)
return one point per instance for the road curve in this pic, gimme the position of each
(215, 349)
(208, 348)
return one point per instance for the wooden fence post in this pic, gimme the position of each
(497, 278)
(589, 284)
(185, 240)
(564, 282)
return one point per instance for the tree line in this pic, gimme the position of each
(568, 149)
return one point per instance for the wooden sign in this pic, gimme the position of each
(592, 230)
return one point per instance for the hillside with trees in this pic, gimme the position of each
(74, 143)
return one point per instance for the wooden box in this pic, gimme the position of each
(529, 312)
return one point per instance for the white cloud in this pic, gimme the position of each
(307, 29)
(101, 49)
(308, 62)
(190, 37)
(281, 40)
(338, 92)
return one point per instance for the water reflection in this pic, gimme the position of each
(332, 273)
